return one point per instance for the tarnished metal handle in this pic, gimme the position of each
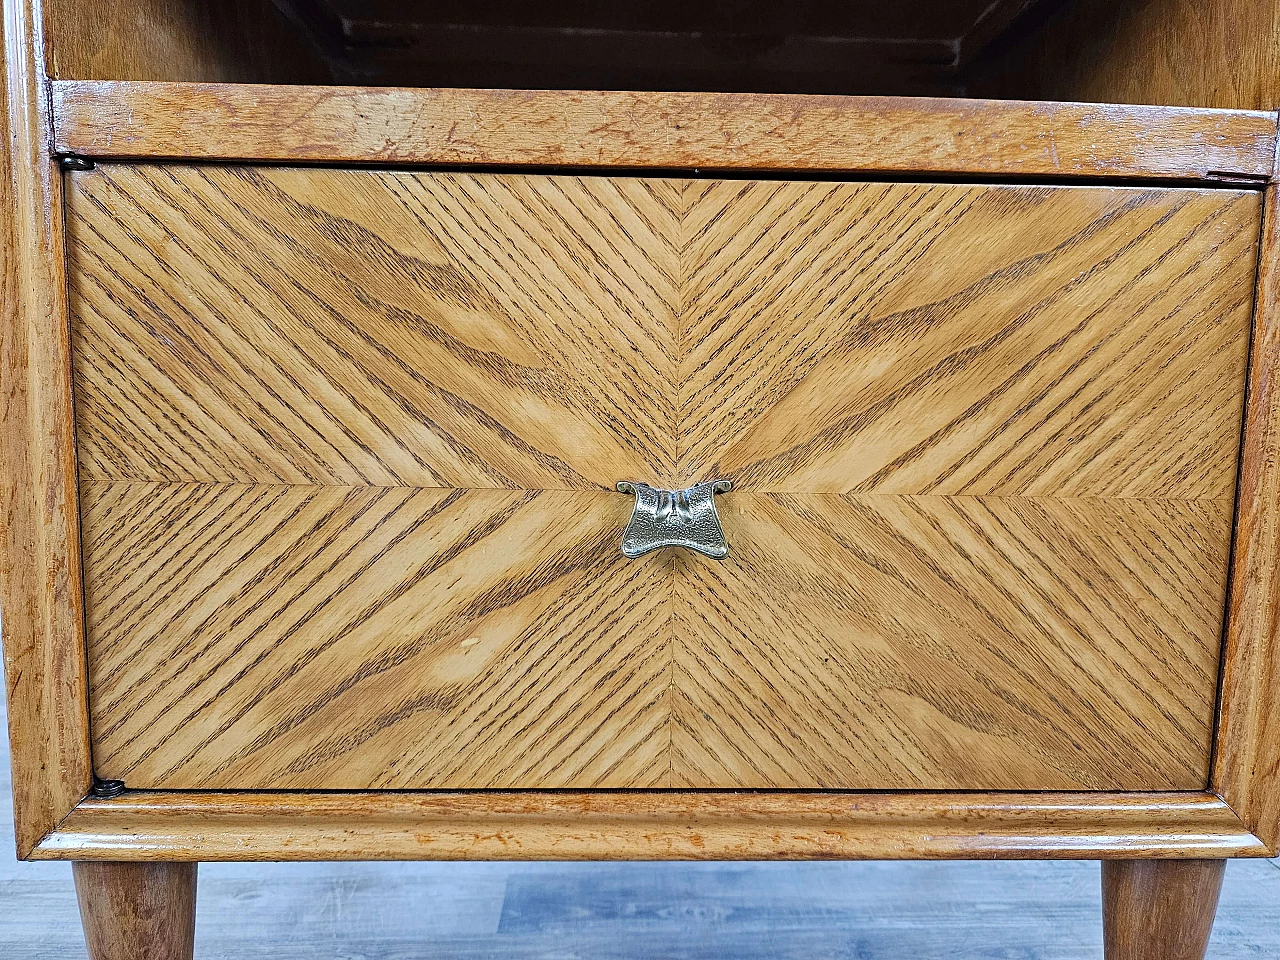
(675, 518)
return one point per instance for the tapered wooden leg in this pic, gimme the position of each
(1159, 909)
(137, 911)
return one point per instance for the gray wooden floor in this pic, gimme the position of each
(550, 911)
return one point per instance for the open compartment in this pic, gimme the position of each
(1217, 53)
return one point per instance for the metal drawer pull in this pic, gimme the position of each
(675, 518)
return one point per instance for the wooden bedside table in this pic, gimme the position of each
(941, 432)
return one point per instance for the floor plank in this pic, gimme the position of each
(637, 911)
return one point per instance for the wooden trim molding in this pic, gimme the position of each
(637, 825)
(1246, 770)
(40, 588)
(757, 132)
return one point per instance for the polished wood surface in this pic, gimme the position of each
(40, 587)
(346, 440)
(1188, 826)
(975, 341)
(230, 41)
(808, 659)
(383, 329)
(1159, 909)
(647, 825)
(1247, 761)
(136, 910)
(658, 130)
(355, 637)
(1206, 53)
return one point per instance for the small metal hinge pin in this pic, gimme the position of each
(106, 789)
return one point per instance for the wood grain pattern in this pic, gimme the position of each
(809, 659)
(335, 637)
(241, 41)
(783, 389)
(345, 438)
(658, 130)
(132, 910)
(448, 331)
(40, 586)
(952, 340)
(1246, 768)
(1193, 53)
(1159, 910)
(647, 825)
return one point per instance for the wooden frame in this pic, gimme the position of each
(1237, 815)
(722, 132)
(1246, 770)
(44, 650)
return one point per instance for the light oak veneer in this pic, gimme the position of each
(346, 440)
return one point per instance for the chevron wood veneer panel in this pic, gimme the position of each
(283, 635)
(292, 326)
(347, 440)
(959, 339)
(938, 641)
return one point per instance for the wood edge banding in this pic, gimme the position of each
(630, 130)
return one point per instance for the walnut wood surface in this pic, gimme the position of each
(40, 587)
(344, 434)
(657, 130)
(1247, 761)
(133, 910)
(1159, 909)
(647, 825)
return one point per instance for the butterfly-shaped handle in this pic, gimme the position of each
(675, 518)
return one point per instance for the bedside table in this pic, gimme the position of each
(400, 472)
